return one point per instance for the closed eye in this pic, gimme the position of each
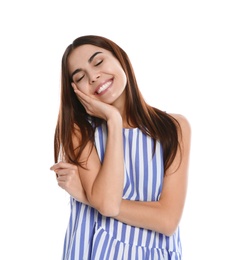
(97, 64)
(79, 79)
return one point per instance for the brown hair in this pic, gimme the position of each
(152, 121)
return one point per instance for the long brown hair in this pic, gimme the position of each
(152, 121)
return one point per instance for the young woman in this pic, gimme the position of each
(124, 162)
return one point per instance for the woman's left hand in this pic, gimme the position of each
(67, 176)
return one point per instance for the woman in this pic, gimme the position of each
(124, 163)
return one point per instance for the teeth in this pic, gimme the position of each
(103, 87)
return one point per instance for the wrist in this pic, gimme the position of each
(115, 120)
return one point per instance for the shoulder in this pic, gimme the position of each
(183, 122)
(180, 118)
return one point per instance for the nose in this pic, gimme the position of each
(94, 77)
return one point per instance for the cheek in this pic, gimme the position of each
(120, 72)
(123, 79)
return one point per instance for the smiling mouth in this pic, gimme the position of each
(103, 87)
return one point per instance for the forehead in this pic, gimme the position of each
(83, 53)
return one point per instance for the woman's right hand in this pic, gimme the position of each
(95, 107)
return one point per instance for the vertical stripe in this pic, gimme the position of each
(91, 236)
(110, 253)
(145, 162)
(97, 245)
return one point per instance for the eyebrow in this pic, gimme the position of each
(93, 56)
(90, 60)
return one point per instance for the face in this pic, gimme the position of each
(97, 73)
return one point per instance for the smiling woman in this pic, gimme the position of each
(123, 162)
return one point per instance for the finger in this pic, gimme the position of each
(84, 99)
(61, 178)
(62, 172)
(61, 165)
(81, 96)
(78, 93)
(76, 89)
(61, 183)
(74, 86)
(54, 167)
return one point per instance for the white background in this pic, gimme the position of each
(189, 58)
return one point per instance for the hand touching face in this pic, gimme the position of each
(94, 106)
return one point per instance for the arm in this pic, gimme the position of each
(99, 185)
(103, 183)
(164, 215)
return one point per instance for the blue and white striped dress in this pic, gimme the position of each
(91, 236)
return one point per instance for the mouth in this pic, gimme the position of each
(104, 87)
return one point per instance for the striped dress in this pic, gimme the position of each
(91, 236)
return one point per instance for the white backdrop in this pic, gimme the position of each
(189, 58)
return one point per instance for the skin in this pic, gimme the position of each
(101, 185)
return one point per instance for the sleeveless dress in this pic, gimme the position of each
(91, 236)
